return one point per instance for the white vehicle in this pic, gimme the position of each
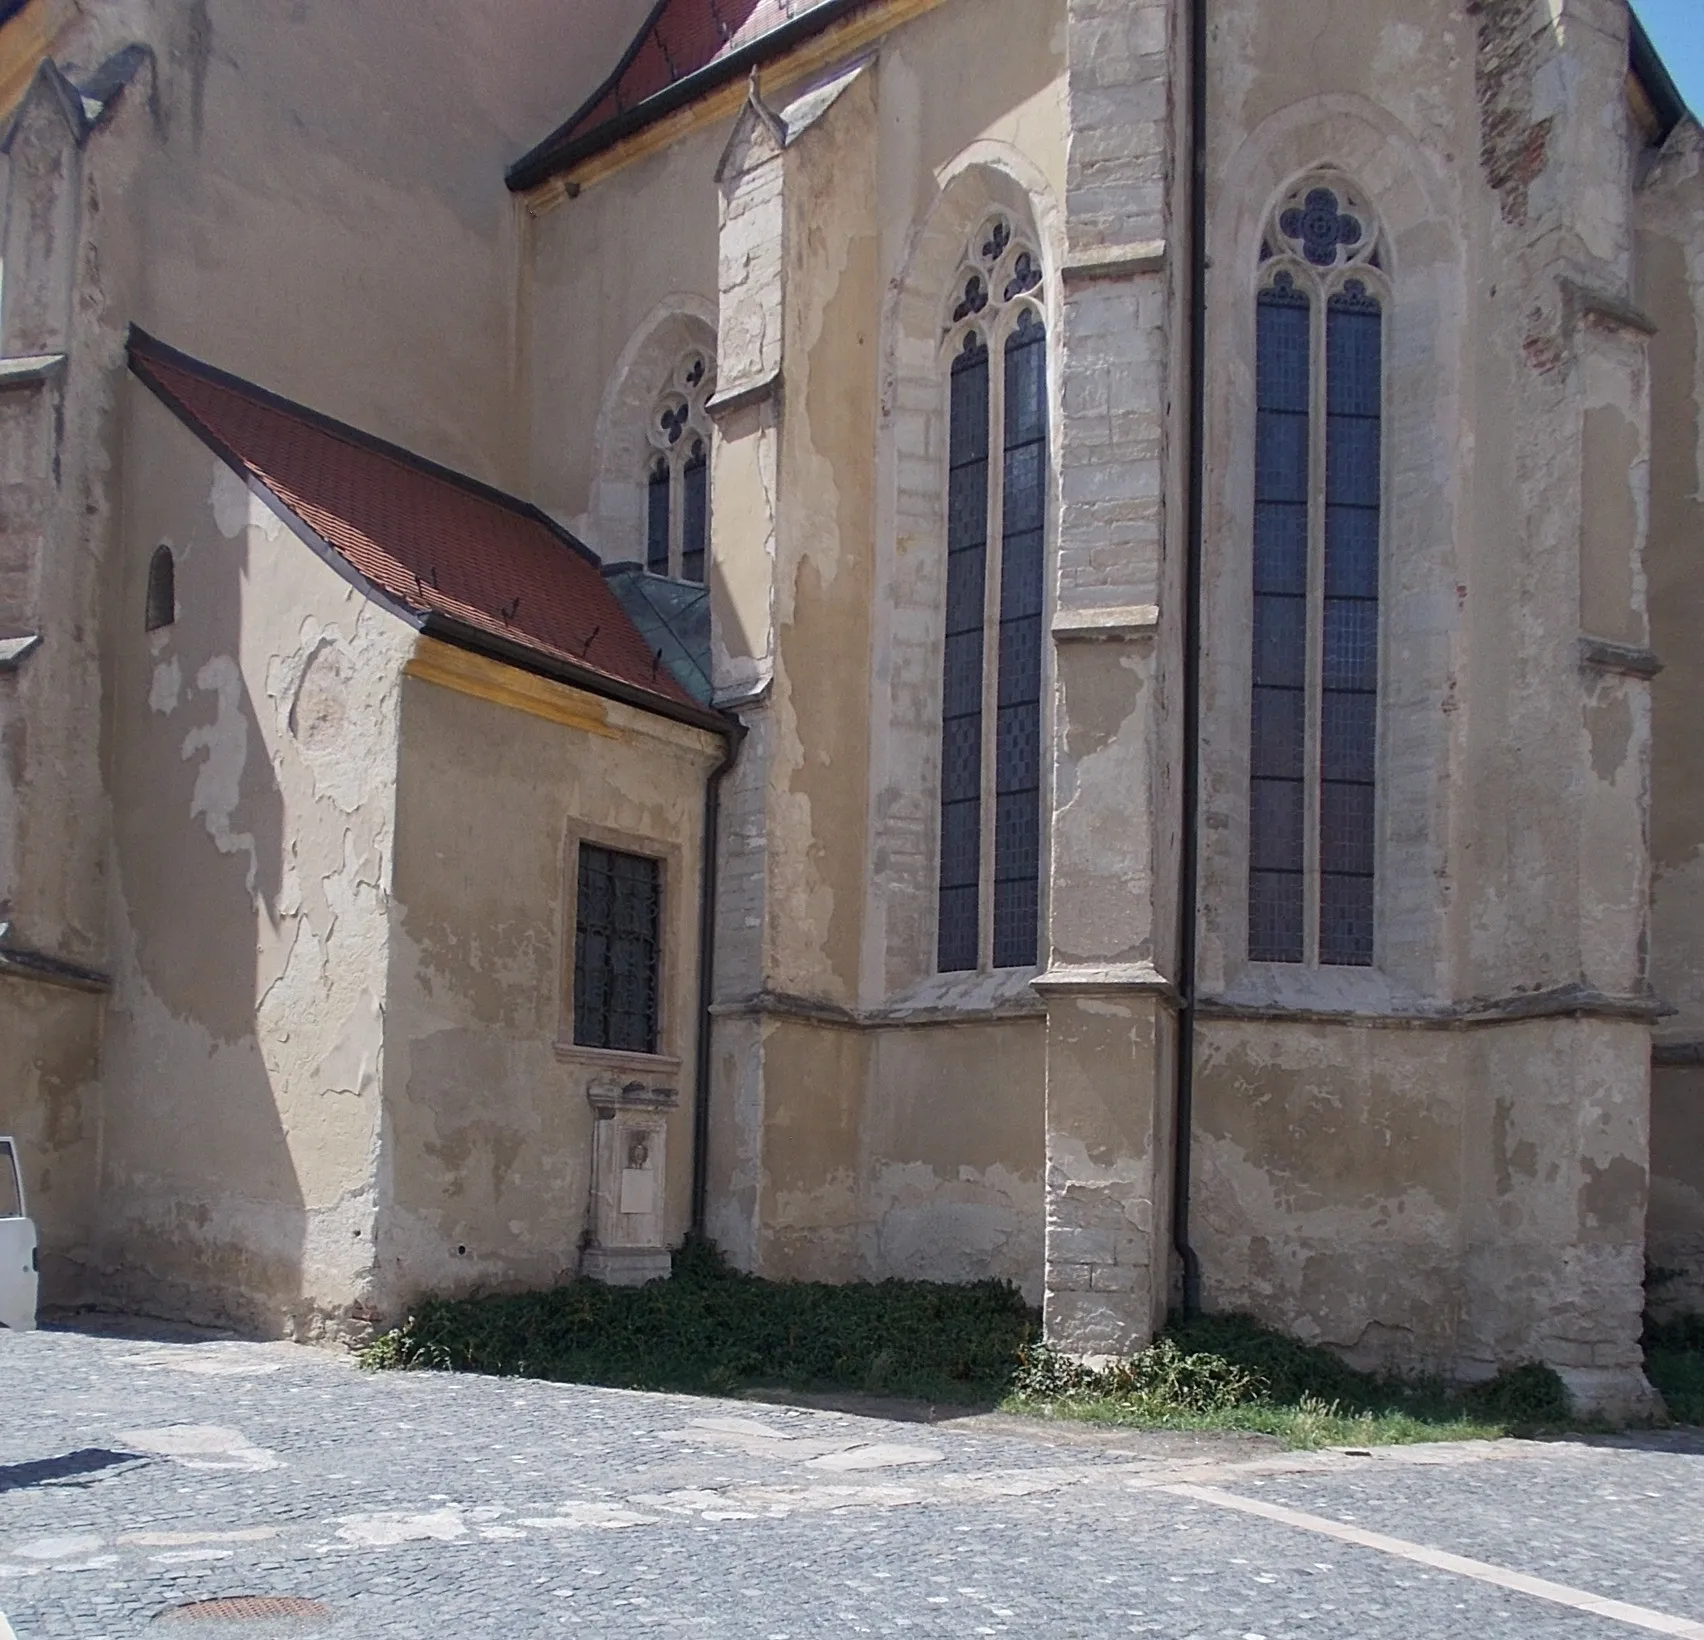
(19, 1260)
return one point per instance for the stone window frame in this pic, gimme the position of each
(901, 910)
(670, 858)
(679, 434)
(614, 524)
(1358, 264)
(997, 289)
(1426, 510)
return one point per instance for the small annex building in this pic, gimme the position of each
(1037, 639)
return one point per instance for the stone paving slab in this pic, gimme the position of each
(140, 1474)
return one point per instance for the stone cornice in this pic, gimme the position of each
(1587, 302)
(837, 1016)
(1627, 660)
(1561, 1002)
(31, 371)
(1116, 623)
(17, 962)
(1102, 979)
(742, 395)
(1112, 262)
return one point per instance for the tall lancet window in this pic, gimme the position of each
(1317, 528)
(677, 474)
(997, 487)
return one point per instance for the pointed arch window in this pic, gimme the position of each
(1318, 526)
(991, 716)
(677, 473)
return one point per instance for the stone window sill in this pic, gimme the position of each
(649, 1064)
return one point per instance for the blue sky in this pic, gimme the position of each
(1676, 28)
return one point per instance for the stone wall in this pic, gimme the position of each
(1671, 293)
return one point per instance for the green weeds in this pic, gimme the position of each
(1674, 1362)
(711, 1330)
(1230, 1373)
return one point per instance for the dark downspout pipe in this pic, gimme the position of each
(707, 980)
(1190, 865)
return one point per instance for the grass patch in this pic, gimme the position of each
(1231, 1373)
(711, 1330)
(1674, 1362)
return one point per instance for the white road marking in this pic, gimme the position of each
(6, 1629)
(1558, 1594)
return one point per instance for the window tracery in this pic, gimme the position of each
(1318, 523)
(677, 473)
(997, 484)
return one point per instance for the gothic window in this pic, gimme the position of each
(160, 608)
(1317, 526)
(677, 474)
(617, 951)
(991, 717)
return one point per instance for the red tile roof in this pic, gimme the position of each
(685, 48)
(447, 554)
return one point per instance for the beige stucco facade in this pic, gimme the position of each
(329, 871)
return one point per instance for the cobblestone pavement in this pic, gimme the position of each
(139, 1476)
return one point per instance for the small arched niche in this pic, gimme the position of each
(160, 610)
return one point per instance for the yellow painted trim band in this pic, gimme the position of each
(809, 58)
(507, 686)
(24, 42)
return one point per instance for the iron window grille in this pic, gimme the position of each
(1318, 517)
(617, 951)
(989, 907)
(677, 473)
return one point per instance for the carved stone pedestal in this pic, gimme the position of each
(629, 1156)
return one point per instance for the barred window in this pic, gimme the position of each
(617, 951)
(677, 481)
(1317, 527)
(991, 716)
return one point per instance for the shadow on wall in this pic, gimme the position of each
(201, 1211)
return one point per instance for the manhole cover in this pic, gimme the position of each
(247, 1608)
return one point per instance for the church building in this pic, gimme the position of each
(1032, 639)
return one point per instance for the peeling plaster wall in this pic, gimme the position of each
(254, 749)
(1401, 1194)
(1671, 291)
(843, 1143)
(1428, 1195)
(487, 1175)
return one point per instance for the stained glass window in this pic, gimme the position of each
(1349, 688)
(695, 526)
(617, 951)
(961, 688)
(657, 519)
(1278, 770)
(1017, 778)
(1319, 395)
(677, 485)
(991, 754)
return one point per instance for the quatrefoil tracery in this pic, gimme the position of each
(1325, 224)
(1000, 269)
